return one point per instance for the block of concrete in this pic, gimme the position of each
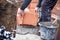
(27, 37)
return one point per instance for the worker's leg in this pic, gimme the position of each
(46, 31)
(45, 15)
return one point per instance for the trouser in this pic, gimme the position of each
(45, 15)
(47, 33)
(47, 6)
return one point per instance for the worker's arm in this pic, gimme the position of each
(25, 4)
(39, 3)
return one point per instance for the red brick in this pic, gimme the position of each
(34, 0)
(32, 11)
(33, 5)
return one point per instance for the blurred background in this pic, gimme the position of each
(8, 12)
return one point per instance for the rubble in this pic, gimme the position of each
(8, 14)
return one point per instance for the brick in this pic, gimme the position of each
(34, 0)
(33, 5)
(33, 11)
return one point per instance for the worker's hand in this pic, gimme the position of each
(36, 9)
(21, 12)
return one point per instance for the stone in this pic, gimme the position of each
(27, 30)
(27, 37)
